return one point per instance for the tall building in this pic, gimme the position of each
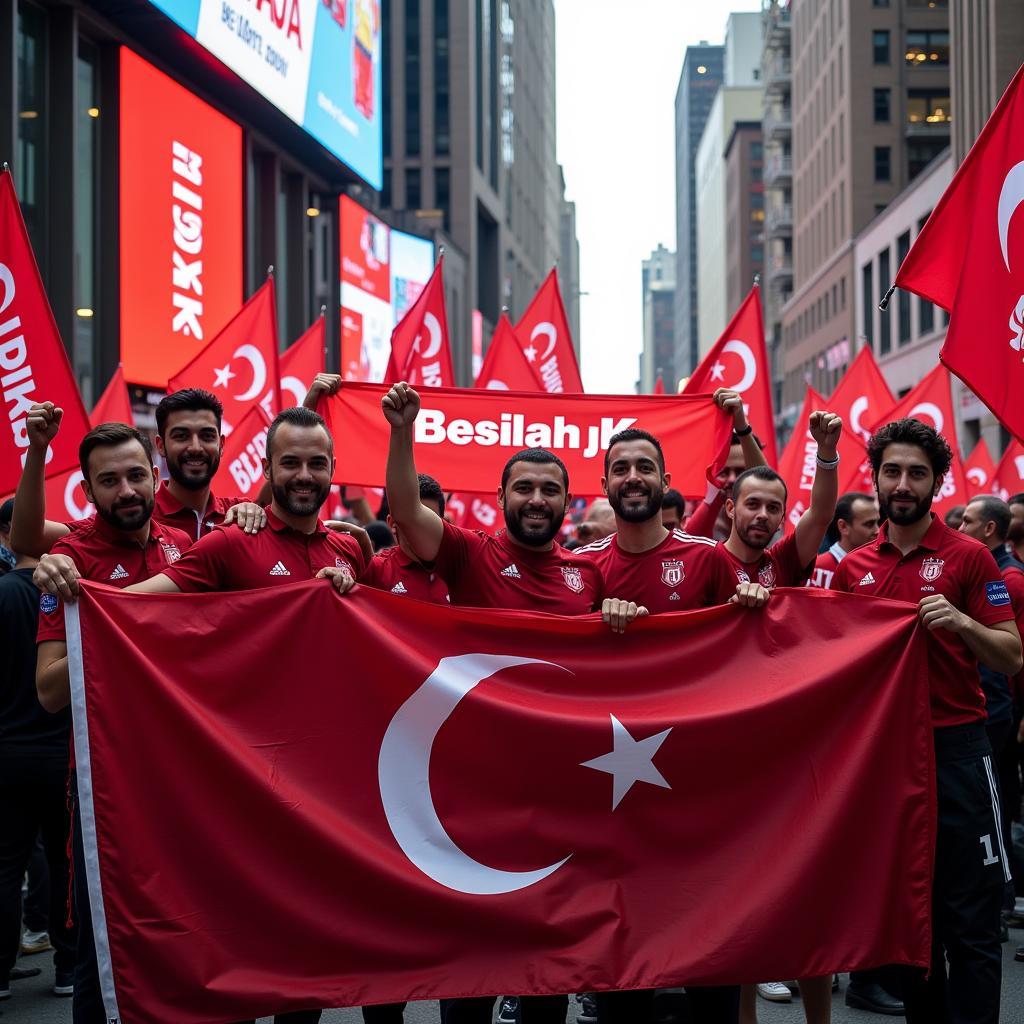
(871, 109)
(698, 83)
(470, 133)
(569, 267)
(744, 211)
(658, 280)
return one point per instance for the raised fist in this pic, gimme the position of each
(401, 405)
(825, 428)
(42, 424)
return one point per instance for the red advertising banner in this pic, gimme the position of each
(181, 222)
(365, 250)
(621, 853)
(464, 437)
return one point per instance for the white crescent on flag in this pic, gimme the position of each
(977, 476)
(1011, 195)
(743, 350)
(549, 331)
(434, 330)
(254, 357)
(932, 411)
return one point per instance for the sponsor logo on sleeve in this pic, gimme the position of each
(48, 603)
(996, 593)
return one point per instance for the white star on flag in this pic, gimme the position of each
(718, 371)
(630, 761)
(530, 352)
(223, 375)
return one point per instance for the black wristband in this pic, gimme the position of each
(748, 429)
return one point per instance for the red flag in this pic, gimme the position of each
(475, 511)
(505, 367)
(421, 353)
(301, 363)
(586, 868)
(862, 396)
(659, 386)
(969, 259)
(739, 360)
(797, 465)
(980, 470)
(544, 336)
(241, 464)
(931, 403)
(240, 365)
(464, 436)
(1009, 475)
(855, 466)
(34, 365)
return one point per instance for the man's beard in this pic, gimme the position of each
(534, 538)
(194, 483)
(641, 514)
(757, 541)
(128, 516)
(298, 505)
(905, 516)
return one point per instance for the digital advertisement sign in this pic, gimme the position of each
(181, 238)
(383, 272)
(318, 61)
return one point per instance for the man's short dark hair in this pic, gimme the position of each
(6, 515)
(633, 434)
(537, 456)
(910, 431)
(187, 400)
(430, 490)
(298, 416)
(844, 511)
(1016, 499)
(765, 473)
(106, 435)
(673, 499)
(994, 510)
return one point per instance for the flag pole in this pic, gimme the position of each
(884, 304)
(323, 316)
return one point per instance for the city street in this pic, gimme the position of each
(32, 1002)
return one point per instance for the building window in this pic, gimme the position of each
(756, 151)
(413, 189)
(443, 192)
(757, 256)
(30, 167)
(880, 45)
(925, 310)
(879, 3)
(927, 48)
(921, 152)
(883, 163)
(882, 105)
(928, 106)
(902, 248)
(385, 188)
(442, 88)
(884, 323)
(412, 77)
(842, 293)
(868, 311)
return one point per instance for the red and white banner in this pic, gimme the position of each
(464, 437)
(475, 511)
(240, 365)
(969, 259)
(505, 367)
(546, 341)
(241, 463)
(862, 396)
(739, 360)
(421, 353)
(34, 364)
(625, 852)
(797, 465)
(980, 470)
(301, 363)
(1010, 471)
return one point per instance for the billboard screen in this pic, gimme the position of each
(181, 222)
(383, 272)
(318, 61)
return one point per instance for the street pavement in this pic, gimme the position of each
(33, 1003)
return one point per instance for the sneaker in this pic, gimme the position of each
(774, 992)
(64, 983)
(509, 1011)
(35, 942)
(587, 1011)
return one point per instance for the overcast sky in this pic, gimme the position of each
(618, 68)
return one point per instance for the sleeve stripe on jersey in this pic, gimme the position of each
(597, 545)
(693, 538)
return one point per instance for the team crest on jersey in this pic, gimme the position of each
(573, 578)
(672, 572)
(171, 553)
(340, 563)
(766, 576)
(931, 569)
(742, 576)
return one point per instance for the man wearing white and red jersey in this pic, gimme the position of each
(963, 602)
(854, 523)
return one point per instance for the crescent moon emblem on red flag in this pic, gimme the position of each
(549, 331)
(295, 387)
(75, 510)
(254, 357)
(742, 349)
(857, 409)
(977, 476)
(403, 773)
(497, 385)
(1011, 195)
(434, 330)
(932, 411)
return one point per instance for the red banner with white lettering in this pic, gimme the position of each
(464, 437)
(240, 365)
(1010, 471)
(969, 259)
(739, 360)
(301, 363)
(359, 842)
(862, 396)
(980, 470)
(421, 354)
(34, 364)
(241, 462)
(797, 465)
(546, 341)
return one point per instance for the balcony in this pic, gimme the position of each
(779, 219)
(775, 18)
(778, 122)
(928, 127)
(778, 269)
(777, 74)
(778, 170)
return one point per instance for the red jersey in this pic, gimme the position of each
(491, 572)
(825, 566)
(778, 566)
(229, 559)
(167, 509)
(392, 569)
(106, 555)
(681, 572)
(949, 563)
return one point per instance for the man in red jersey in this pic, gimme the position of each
(964, 604)
(119, 545)
(190, 441)
(854, 523)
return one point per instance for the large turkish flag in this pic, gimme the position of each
(862, 396)
(1009, 476)
(301, 362)
(546, 341)
(421, 352)
(980, 470)
(505, 367)
(270, 826)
